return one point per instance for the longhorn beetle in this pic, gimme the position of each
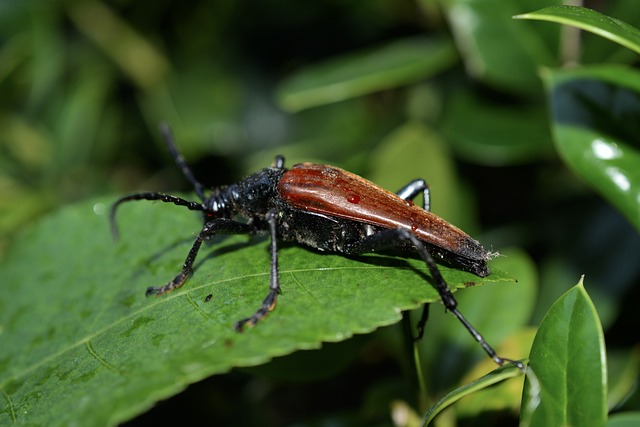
(328, 209)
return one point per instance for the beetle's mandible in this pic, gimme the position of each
(328, 209)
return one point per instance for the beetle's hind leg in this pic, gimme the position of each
(415, 187)
(410, 192)
(389, 238)
(211, 228)
(269, 302)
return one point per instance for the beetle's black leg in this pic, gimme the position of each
(423, 321)
(409, 192)
(269, 302)
(449, 301)
(167, 136)
(217, 226)
(166, 198)
(412, 189)
(386, 238)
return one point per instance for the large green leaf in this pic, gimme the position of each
(568, 359)
(590, 20)
(82, 344)
(596, 130)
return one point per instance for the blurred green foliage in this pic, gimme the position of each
(447, 90)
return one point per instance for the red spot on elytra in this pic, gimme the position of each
(353, 198)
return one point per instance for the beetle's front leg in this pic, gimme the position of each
(269, 302)
(211, 228)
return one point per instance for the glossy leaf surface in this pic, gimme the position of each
(596, 130)
(590, 20)
(568, 359)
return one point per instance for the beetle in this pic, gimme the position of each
(328, 209)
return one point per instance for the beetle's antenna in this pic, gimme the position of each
(167, 136)
(166, 198)
(278, 162)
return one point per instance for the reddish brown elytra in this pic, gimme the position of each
(333, 191)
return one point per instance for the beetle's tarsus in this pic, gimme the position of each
(175, 283)
(152, 290)
(503, 361)
(269, 304)
(249, 321)
(240, 324)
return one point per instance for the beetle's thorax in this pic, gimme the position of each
(219, 203)
(252, 197)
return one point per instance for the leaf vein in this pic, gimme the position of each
(197, 307)
(100, 359)
(12, 410)
(304, 288)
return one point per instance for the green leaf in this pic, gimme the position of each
(595, 49)
(498, 50)
(501, 374)
(134, 54)
(623, 369)
(625, 419)
(506, 396)
(81, 344)
(395, 64)
(485, 132)
(596, 131)
(568, 359)
(590, 20)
